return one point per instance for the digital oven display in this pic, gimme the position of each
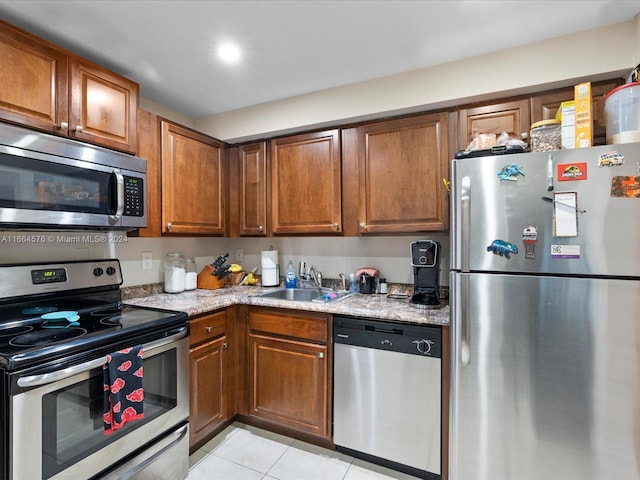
(49, 275)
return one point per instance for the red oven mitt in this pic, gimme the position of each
(123, 392)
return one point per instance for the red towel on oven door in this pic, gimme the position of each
(123, 392)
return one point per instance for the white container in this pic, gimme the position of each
(622, 114)
(174, 272)
(191, 274)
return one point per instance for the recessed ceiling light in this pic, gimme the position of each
(229, 53)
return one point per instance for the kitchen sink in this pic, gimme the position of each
(322, 295)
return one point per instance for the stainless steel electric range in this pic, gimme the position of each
(58, 323)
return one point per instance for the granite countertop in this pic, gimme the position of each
(378, 306)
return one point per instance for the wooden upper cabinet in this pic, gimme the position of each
(193, 179)
(103, 106)
(252, 189)
(545, 106)
(148, 133)
(513, 116)
(33, 81)
(48, 88)
(400, 166)
(305, 184)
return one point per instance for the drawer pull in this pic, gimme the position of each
(225, 344)
(209, 329)
(321, 355)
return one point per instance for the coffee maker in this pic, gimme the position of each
(425, 259)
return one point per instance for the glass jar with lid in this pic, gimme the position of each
(174, 272)
(191, 274)
(546, 135)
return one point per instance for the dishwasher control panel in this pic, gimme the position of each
(423, 340)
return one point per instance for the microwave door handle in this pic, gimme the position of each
(50, 377)
(119, 195)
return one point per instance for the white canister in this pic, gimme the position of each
(174, 272)
(190, 274)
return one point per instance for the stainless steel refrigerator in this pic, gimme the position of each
(545, 299)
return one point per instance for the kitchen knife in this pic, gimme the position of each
(218, 262)
(218, 271)
(255, 269)
(225, 271)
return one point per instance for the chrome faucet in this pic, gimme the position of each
(343, 277)
(316, 277)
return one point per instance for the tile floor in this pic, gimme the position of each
(241, 452)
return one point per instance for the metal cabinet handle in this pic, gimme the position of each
(79, 129)
(225, 344)
(169, 226)
(64, 126)
(335, 226)
(260, 228)
(320, 355)
(209, 329)
(363, 226)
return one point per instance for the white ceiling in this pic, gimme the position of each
(292, 47)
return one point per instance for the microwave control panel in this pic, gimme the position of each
(133, 197)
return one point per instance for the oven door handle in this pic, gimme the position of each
(50, 377)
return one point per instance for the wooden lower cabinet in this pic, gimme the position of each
(210, 400)
(288, 369)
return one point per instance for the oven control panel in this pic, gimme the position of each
(48, 275)
(33, 279)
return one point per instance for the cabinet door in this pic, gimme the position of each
(103, 106)
(287, 382)
(545, 106)
(208, 388)
(148, 126)
(252, 189)
(305, 184)
(402, 164)
(192, 182)
(33, 81)
(496, 118)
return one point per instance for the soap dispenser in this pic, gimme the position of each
(290, 280)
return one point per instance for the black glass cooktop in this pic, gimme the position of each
(69, 311)
(27, 338)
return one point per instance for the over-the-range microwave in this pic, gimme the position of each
(49, 182)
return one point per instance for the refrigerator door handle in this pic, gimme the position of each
(465, 322)
(465, 227)
(460, 321)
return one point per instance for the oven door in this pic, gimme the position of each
(57, 427)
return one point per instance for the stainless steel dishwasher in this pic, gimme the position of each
(386, 396)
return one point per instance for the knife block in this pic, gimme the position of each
(207, 280)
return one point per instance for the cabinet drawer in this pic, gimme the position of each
(207, 327)
(305, 325)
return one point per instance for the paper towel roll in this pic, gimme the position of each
(270, 268)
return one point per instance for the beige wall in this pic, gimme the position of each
(591, 55)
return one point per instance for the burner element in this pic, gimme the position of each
(106, 312)
(46, 337)
(13, 331)
(39, 310)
